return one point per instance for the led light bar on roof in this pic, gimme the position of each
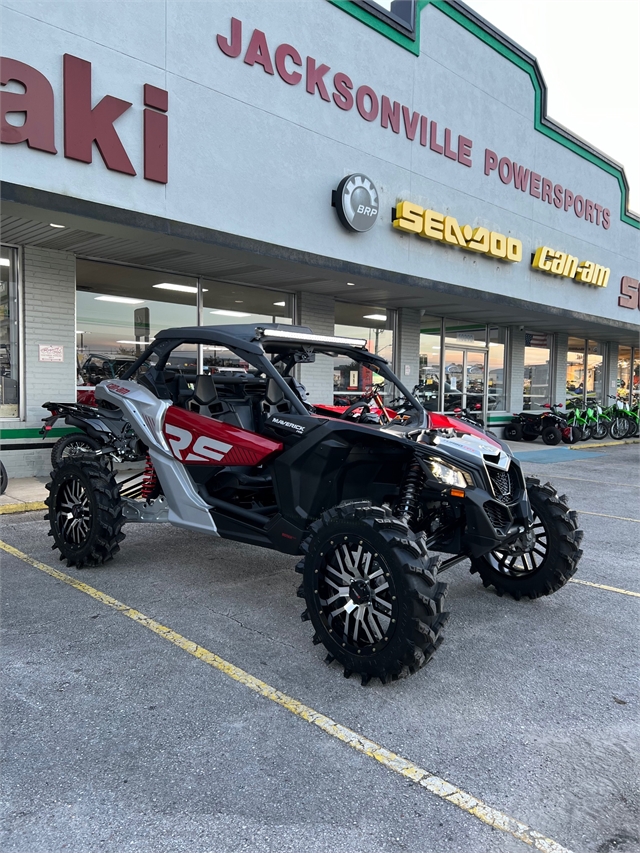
(313, 339)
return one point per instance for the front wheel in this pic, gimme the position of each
(513, 432)
(599, 430)
(85, 512)
(76, 444)
(372, 592)
(549, 563)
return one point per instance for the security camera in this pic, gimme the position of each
(521, 328)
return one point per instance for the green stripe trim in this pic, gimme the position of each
(524, 64)
(56, 432)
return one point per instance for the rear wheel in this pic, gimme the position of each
(599, 430)
(551, 435)
(69, 446)
(4, 479)
(372, 592)
(553, 559)
(85, 512)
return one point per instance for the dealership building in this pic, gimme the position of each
(381, 170)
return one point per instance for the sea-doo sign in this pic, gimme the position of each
(356, 202)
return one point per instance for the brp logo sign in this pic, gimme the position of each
(356, 202)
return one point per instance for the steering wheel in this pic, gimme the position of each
(359, 404)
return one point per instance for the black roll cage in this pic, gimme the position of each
(255, 353)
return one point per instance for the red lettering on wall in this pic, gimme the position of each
(558, 193)
(578, 206)
(390, 115)
(505, 170)
(315, 78)
(490, 161)
(342, 97)
(520, 177)
(283, 52)
(534, 185)
(546, 190)
(448, 151)
(606, 219)
(156, 135)
(629, 296)
(232, 46)
(588, 210)
(84, 125)
(367, 92)
(36, 102)
(568, 199)
(424, 124)
(410, 124)
(598, 208)
(434, 145)
(258, 52)
(464, 151)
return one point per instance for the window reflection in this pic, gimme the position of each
(537, 369)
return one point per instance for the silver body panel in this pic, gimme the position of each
(145, 412)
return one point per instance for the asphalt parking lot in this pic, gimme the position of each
(117, 738)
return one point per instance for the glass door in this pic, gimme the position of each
(465, 380)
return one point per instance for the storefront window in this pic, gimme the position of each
(624, 372)
(635, 378)
(373, 324)
(429, 385)
(9, 334)
(227, 304)
(537, 369)
(496, 399)
(120, 309)
(595, 372)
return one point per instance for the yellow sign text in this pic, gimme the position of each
(436, 226)
(561, 263)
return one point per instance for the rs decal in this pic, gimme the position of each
(205, 449)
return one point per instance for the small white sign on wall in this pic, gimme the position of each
(50, 352)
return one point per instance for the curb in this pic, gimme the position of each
(605, 444)
(27, 506)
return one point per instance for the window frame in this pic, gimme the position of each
(389, 17)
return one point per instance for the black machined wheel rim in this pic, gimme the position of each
(76, 448)
(73, 512)
(521, 563)
(356, 595)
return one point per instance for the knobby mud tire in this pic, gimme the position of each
(101, 510)
(562, 555)
(416, 630)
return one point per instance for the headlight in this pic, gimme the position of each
(447, 475)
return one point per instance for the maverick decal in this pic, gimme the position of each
(356, 202)
(568, 266)
(84, 124)
(410, 217)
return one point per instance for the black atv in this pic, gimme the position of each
(369, 494)
(551, 426)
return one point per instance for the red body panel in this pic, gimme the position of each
(197, 440)
(438, 421)
(86, 395)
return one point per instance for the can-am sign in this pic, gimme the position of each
(83, 124)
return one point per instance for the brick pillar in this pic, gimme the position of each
(515, 384)
(49, 311)
(559, 385)
(610, 383)
(317, 312)
(407, 346)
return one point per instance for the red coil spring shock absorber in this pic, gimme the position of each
(149, 480)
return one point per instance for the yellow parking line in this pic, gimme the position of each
(608, 588)
(432, 783)
(602, 515)
(26, 506)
